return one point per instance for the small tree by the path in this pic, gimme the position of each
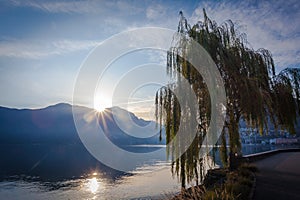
(253, 90)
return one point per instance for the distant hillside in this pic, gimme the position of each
(55, 125)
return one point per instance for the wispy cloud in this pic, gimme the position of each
(273, 25)
(155, 12)
(60, 6)
(41, 49)
(78, 6)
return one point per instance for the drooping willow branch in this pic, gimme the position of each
(254, 92)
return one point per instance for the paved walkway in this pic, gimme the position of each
(278, 177)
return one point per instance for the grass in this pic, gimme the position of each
(222, 184)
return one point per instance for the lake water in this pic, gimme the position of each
(69, 172)
(142, 184)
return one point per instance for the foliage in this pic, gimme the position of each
(237, 185)
(254, 92)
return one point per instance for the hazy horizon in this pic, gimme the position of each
(136, 113)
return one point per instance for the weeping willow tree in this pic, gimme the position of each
(286, 98)
(254, 93)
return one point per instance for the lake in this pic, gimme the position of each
(141, 184)
(70, 172)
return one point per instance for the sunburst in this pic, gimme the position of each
(101, 102)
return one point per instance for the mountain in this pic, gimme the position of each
(118, 127)
(55, 125)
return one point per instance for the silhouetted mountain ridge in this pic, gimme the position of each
(55, 124)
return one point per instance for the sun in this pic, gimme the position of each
(99, 108)
(101, 102)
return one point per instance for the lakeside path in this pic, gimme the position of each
(278, 177)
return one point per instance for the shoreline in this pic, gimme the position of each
(214, 179)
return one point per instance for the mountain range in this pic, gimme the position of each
(55, 125)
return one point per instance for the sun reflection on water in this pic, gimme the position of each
(93, 185)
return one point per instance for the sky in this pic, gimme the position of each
(44, 43)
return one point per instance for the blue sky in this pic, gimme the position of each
(43, 43)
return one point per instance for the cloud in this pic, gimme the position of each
(155, 12)
(79, 6)
(60, 6)
(157, 56)
(41, 49)
(273, 25)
